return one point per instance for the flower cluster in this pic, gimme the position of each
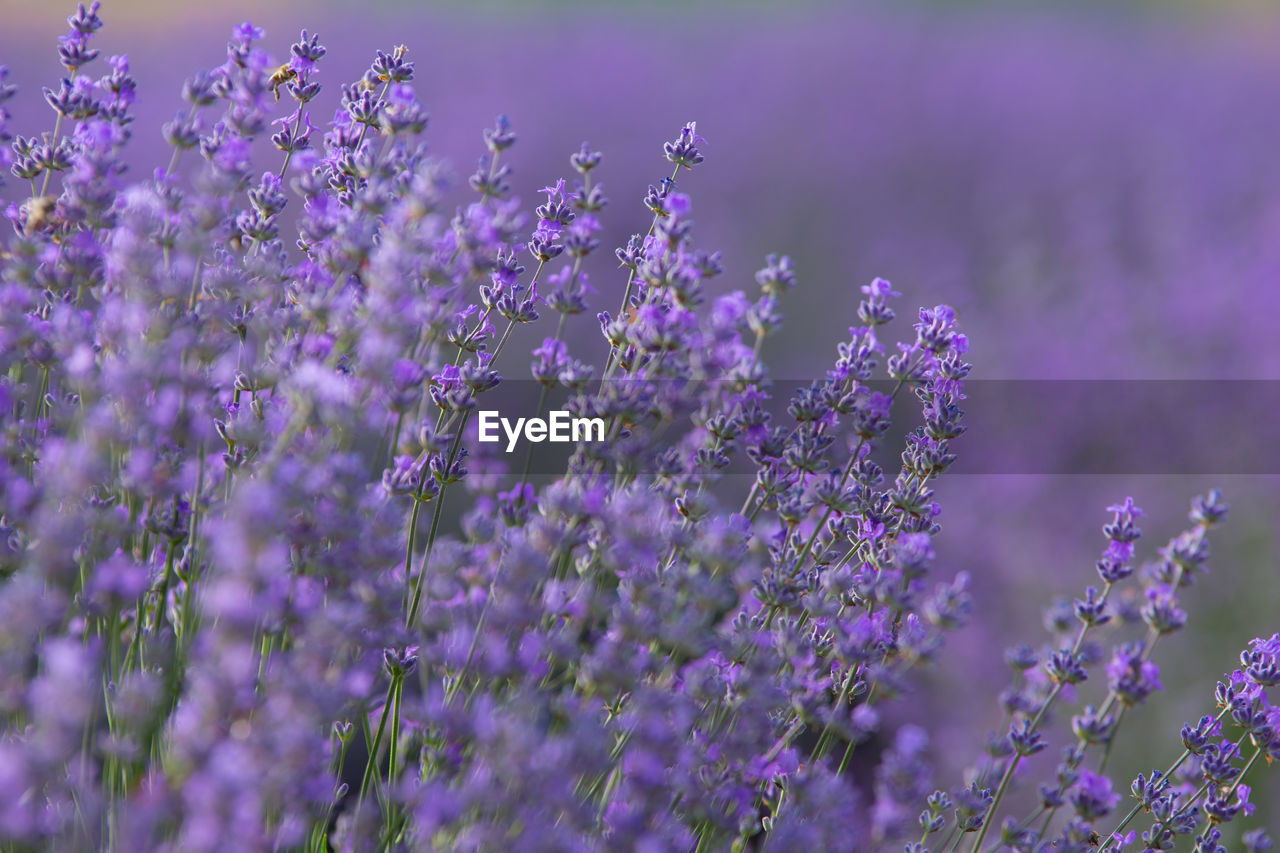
(1054, 673)
(261, 588)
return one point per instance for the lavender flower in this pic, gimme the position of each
(263, 584)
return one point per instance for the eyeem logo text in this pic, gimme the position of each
(559, 426)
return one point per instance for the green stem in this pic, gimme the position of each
(413, 530)
(1111, 740)
(57, 132)
(364, 129)
(453, 689)
(416, 599)
(398, 690)
(288, 155)
(1013, 765)
(162, 598)
(371, 768)
(264, 658)
(820, 748)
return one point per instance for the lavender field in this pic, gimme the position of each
(930, 347)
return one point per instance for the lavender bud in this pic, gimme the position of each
(500, 137)
(1256, 841)
(684, 151)
(400, 662)
(584, 160)
(1091, 727)
(1065, 668)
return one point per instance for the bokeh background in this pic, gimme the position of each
(1094, 186)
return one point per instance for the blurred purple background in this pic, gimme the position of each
(1096, 190)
